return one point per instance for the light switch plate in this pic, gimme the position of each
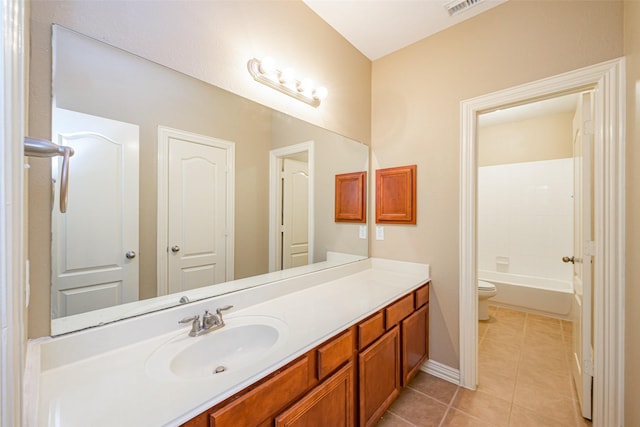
(363, 232)
(379, 232)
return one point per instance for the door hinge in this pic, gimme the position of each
(282, 228)
(587, 367)
(589, 248)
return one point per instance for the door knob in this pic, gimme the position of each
(130, 254)
(572, 260)
(175, 248)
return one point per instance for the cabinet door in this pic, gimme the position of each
(329, 404)
(415, 342)
(379, 377)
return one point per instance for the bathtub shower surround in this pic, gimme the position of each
(525, 218)
(525, 227)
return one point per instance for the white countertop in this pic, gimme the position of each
(98, 377)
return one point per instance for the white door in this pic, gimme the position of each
(583, 246)
(197, 220)
(295, 213)
(95, 243)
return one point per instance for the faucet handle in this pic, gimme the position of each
(195, 325)
(219, 311)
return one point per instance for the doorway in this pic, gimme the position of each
(534, 216)
(607, 81)
(291, 206)
(195, 211)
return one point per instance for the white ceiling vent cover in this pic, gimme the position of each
(458, 6)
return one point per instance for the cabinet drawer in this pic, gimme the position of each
(265, 401)
(399, 310)
(370, 330)
(332, 355)
(422, 296)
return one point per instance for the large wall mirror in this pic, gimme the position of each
(179, 190)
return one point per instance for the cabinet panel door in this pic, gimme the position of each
(329, 404)
(379, 377)
(415, 342)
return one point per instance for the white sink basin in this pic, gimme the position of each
(243, 341)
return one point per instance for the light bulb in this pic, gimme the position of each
(320, 93)
(306, 85)
(267, 66)
(287, 75)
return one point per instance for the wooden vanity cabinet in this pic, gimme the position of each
(348, 380)
(391, 361)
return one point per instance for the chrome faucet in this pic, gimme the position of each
(210, 322)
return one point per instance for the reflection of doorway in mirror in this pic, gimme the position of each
(95, 243)
(195, 216)
(291, 198)
(295, 214)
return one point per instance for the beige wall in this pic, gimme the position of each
(416, 95)
(211, 41)
(632, 300)
(540, 138)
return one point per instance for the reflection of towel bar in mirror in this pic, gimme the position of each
(42, 148)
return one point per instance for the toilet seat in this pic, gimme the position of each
(486, 286)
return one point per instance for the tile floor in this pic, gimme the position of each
(523, 374)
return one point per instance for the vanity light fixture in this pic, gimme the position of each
(265, 71)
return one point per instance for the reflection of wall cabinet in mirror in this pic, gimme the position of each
(364, 367)
(351, 197)
(396, 195)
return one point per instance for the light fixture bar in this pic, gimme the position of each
(283, 81)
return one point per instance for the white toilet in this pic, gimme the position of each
(486, 290)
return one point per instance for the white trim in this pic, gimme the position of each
(609, 175)
(274, 178)
(442, 371)
(164, 133)
(12, 263)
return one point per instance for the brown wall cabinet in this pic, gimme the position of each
(396, 195)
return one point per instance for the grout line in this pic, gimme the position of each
(402, 418)
(449, 406)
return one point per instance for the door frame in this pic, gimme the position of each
(164, 133)
(274, 177)
(13, 264)
(608, 80)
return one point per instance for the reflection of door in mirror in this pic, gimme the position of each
(94, 244)
(194, 191)
(291, 235)
(295, 213)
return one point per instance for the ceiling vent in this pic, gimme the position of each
(459, 6)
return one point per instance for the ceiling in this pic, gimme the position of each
(379, 27)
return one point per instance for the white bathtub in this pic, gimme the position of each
(532, 294)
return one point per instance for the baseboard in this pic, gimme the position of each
(443, 371)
